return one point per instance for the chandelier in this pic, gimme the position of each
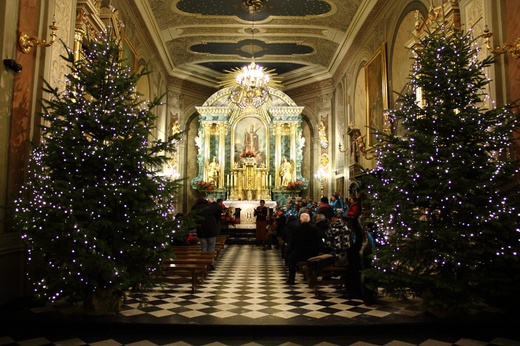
(250, 84)
(251, 89)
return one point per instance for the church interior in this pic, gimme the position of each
(318, 76)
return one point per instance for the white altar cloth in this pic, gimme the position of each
(247, 209)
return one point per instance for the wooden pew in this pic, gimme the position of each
(320, 270)
(189, 265)
(193, 273)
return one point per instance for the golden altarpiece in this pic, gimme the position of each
(249, 154)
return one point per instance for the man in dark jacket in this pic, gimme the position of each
(325, 208)
(304, 243)
(207, 229)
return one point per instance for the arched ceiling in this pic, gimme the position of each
(300, 39)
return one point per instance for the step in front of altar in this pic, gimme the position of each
(240, 234)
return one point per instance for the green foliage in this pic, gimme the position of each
(95, 213)
(440, 193)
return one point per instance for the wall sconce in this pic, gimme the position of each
(26, 42)
(513, 48)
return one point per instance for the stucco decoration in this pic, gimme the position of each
(63, 14)
(474, 17)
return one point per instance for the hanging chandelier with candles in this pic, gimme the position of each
(251, 89)
(250, 84)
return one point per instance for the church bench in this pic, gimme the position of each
(330, 275)
(320, 271)
(193, 273)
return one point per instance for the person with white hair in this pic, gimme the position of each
(304, 243)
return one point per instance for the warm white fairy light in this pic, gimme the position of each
(91, 129)
(433, 116)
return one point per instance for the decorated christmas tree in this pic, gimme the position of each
(441, 194)
(96, 213)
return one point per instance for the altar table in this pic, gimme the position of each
(247, 209)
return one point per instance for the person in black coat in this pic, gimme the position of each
(207, 229)
(304, 243)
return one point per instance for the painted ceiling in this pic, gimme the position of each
(297, 38)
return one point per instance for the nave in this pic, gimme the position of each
(245, 301)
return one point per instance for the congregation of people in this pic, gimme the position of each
(302, 230)
(306, 229)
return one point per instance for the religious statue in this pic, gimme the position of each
(251, 140)
(357, 144)
(322, 131)
(213, 171)
(176, 128)
(286, 172)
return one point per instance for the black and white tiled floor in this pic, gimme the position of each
(249, 287)
(245, 301)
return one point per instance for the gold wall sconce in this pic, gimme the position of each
(513, 48)
(26, 42)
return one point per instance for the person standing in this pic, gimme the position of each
(223, 211)
(325, 208)
(207, 227)
(261, 222)
(304, 243)
(354, 253)
(336, 201)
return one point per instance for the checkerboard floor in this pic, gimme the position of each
(245, 301)
(249, 286)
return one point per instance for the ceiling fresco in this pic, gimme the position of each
(297, 38)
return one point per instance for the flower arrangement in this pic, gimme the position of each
(205, 186)
(296, 186)
(248, 154)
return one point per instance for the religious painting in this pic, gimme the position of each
(340, 185)
(129, 54)
(377, 94)
(250, 140)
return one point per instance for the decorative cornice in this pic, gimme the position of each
(321, 86)
(360, 39)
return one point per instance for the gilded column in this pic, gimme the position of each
(222, 131)
(278, 130)
(206, 130)
(294, 130)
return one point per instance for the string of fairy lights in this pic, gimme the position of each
(425, 112)
(88, 134)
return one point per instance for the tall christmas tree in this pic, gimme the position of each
(96, 213)
(440, 194)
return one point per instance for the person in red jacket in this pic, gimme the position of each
(354, 210)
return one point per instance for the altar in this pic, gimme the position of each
(245, 210)
(249, 154)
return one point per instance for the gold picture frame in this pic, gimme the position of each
(376, 93)
(129, 54)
